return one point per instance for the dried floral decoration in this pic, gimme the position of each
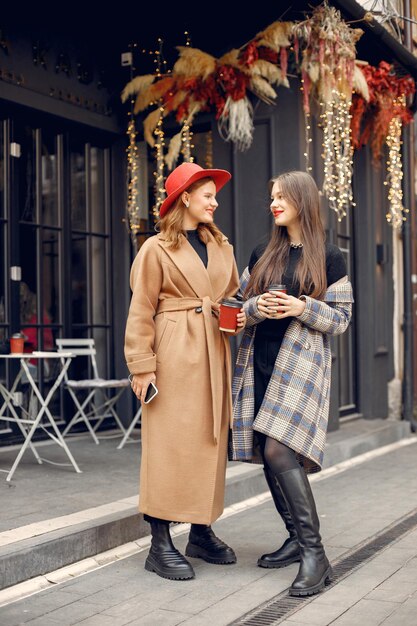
(371, 118)
(358, 103)
(200, 82)
(328, 53)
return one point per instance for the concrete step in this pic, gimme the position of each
(44, 546)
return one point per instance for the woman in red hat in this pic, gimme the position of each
(173, 339)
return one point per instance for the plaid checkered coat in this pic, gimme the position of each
(295, 407)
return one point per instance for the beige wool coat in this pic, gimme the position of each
(172, 330)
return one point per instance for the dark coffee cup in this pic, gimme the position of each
(277, 287)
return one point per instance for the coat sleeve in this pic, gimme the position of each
(331, 316)
(145, 282)
(250, 305)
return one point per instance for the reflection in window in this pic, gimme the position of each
(28, 178)
(50, 266)
(100, 340)
(98, 208)
(79, 280)
(36, 338)
(1, 169)
(78, 191)
(98, 285)
(49, 187)
(3, 327)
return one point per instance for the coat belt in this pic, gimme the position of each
(207, 308)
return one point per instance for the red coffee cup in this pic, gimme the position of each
(17, 342)
(229, 308)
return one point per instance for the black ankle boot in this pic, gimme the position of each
(315, 570)
(204, 544)
(289, 552)
(163, 558)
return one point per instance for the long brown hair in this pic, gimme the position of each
(301, 191)
(172, 224)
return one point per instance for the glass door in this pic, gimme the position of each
(346, 342)
(55, 226)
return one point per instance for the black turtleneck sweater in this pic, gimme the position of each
(198, 245)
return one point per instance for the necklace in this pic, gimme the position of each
(296, 245)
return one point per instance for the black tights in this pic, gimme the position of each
(276, 455)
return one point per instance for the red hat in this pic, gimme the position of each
(185, 175)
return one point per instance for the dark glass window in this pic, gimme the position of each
(60, 239)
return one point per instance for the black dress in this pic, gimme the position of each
(270, 333)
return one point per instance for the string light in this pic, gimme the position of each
(308, 140)
(133, 209)
(160, 162)
(337, 153)
(396, 214)
(186, 145)
(159, 142)
(328, 48)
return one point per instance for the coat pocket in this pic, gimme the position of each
(163, 337)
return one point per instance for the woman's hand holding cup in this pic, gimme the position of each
(267, 305)
(283, 305)
(268, 302)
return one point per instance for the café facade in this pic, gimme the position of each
(64, 230)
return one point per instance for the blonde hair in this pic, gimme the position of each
(172, 224)
(300, 189)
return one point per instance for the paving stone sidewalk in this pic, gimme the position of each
(353, 505)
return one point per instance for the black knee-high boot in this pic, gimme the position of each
(204, 544)
(289, 552)
(315, 570)
(163, 558)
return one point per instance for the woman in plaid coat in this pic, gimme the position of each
(282, 376)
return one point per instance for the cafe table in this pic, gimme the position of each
(28, 424)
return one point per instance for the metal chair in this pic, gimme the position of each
(97, 404)
(130, 428)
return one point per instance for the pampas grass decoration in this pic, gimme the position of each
(263, 89)
(153, 93)
(194, 63)
(313, 70)
(236, 122)
(231, 58)
(359, 83)
(149, 125)
(195, 107)
(275, 36)
(172, 103)
(177, 140)
(137, 85)
(173, 150)
(269, 71)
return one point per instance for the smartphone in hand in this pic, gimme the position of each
(151, 392)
